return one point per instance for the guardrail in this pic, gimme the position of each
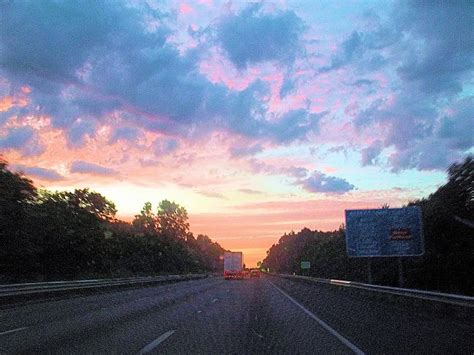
(459, 300)
(18, 292)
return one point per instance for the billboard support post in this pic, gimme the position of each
(369, 270)
(401, 276)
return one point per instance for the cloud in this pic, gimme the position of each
(212, 194)
(320, 182)
(369, 155)
(85, 70)
(145, 163)
(129, 134)
(363, 50)
(422, 136)
(295, 171)
(251, 191)
(16, 138)
(295, 125)
(23, 139)
(242, 151)
(363, 82)
(260, 167)
(254, 36)
(55, 47)
(441, 51)
(422, 115)
(287, 87)
(350, 47)
(82, 67)
(457, 129)
(164, 146)
(82, 167)
(79, 130)
(428, 154)
(40, 173)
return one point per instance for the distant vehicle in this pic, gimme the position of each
(254, 273)
(233, 265)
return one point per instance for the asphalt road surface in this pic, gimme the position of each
(213, 316)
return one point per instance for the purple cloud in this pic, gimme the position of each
(447, 54)
(253, 36)
(457, 129)
(17, 138)
(369, 155)
(412, 63)
(260, 167)
(41, 173)
(79, 130)
(319, 182)
(23, 139)
(129, 134)
(82, 167)
(80, 73)
(242, 151)
(164, 146)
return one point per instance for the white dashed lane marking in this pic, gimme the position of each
(156, 342)
(13, 331)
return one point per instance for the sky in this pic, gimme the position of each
(259, 118)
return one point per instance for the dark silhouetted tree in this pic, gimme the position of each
(172, 220)
(146, 222)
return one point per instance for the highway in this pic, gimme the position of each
(268, 315)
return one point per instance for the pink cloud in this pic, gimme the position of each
(6, 103)
(218, 70)
(329, 169)
(185, 9)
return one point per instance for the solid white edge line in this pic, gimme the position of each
(13, 330)
(156, 342)
(323, 324)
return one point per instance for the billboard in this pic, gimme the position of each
(384, 232)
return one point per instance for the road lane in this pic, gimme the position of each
(205, 316)
(323, 324)
(250, 317)
(378, 325)
(227, 317)
(90, 323)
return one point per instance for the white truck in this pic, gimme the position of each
(233, 265)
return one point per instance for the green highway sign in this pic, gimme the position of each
(305, 265)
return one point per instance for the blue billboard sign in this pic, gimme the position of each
(384, 232)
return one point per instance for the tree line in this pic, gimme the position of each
(57, 235)
(448, 262)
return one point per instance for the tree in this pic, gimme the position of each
(18, 248)
(72, 232)
(172, 220)
(66, 235)
(93, 203)
(146, 222)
